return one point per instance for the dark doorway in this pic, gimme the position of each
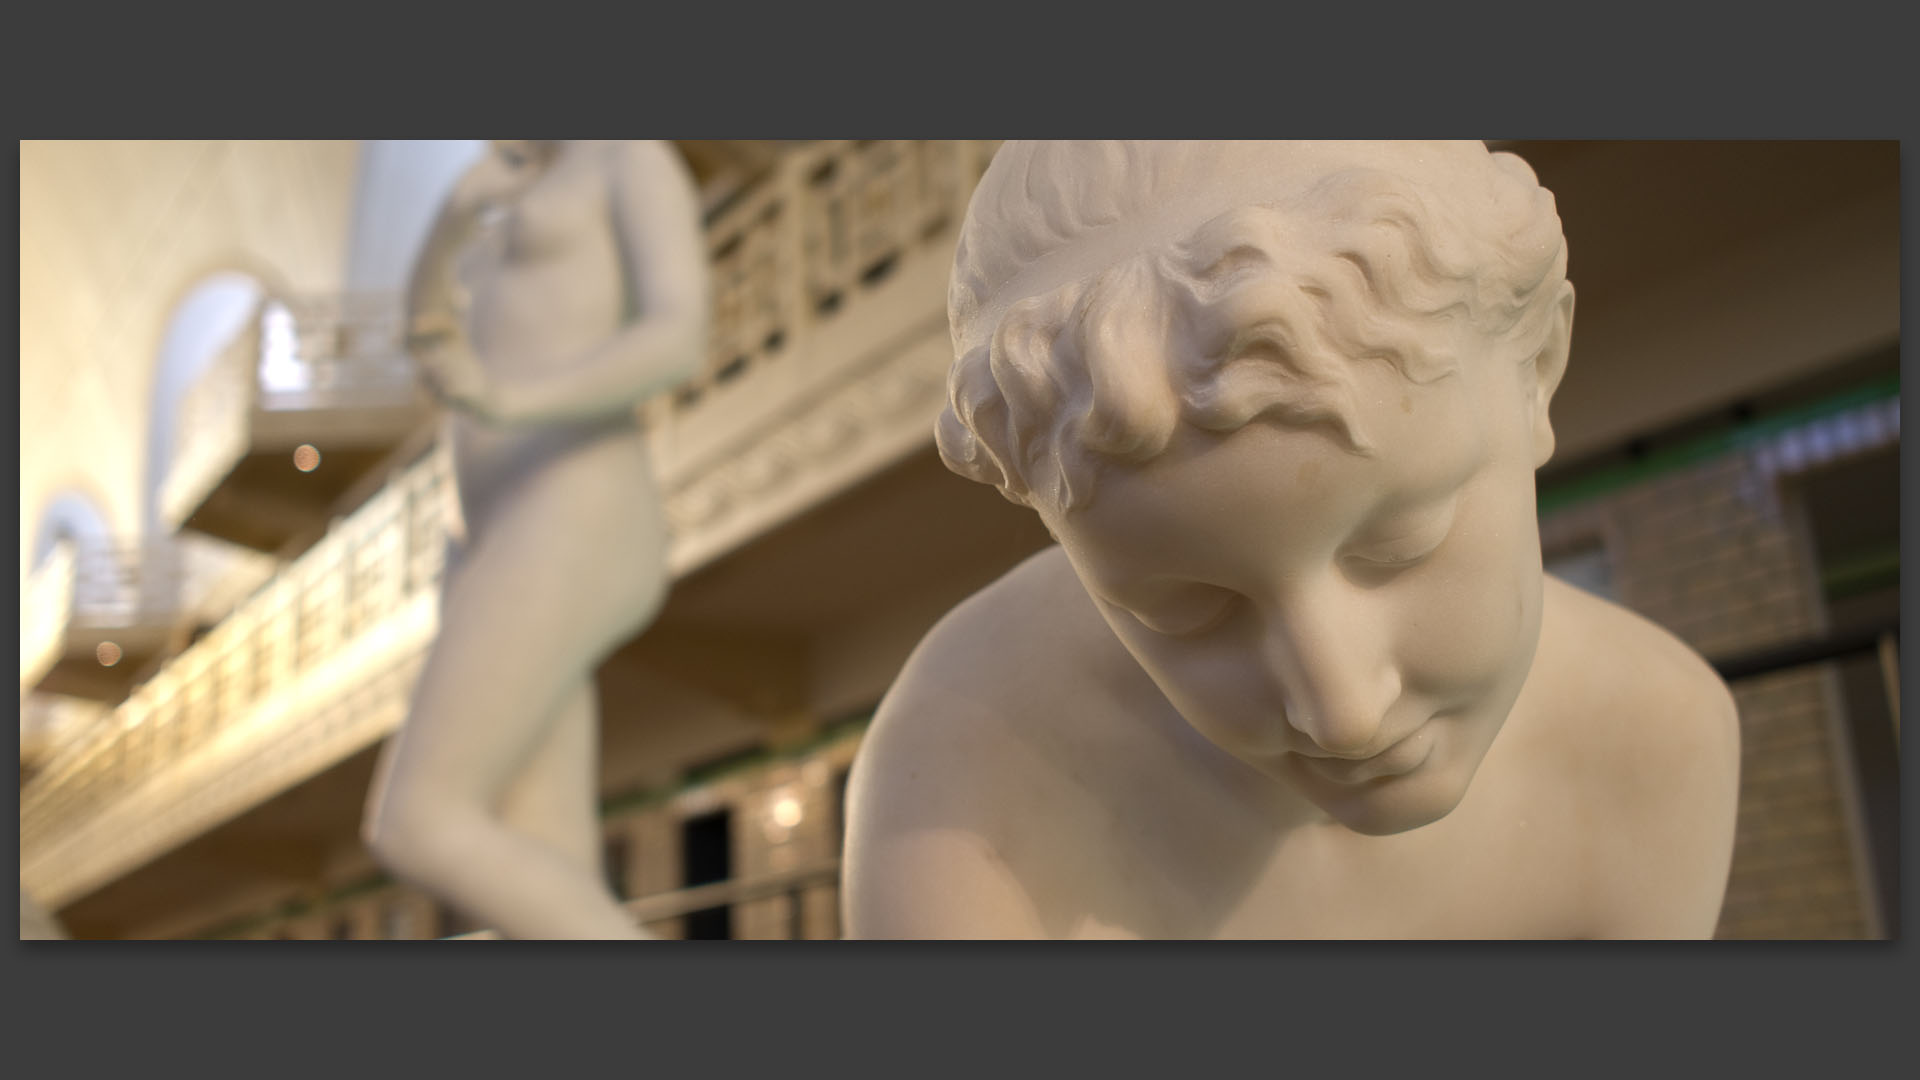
(706, 857)
(617, 856)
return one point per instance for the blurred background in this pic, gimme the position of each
(232, 516)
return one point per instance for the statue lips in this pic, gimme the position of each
(1403, 757)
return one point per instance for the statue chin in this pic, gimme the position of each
(1382, 805)
(1391, 823)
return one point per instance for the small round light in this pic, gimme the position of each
(107, 653)
(786, 812)
(306, 458)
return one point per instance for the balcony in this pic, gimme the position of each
(827, 367)
(94, 616)
(47, 721)
(829, 348)
(294, 678)
(290, 418)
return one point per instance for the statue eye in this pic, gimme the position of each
(1204, 609)
(1384, 561)
(1397, 557)
(1403, 546)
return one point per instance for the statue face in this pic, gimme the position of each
(1356, 626)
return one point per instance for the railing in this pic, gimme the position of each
(371, 564)
(216, 577)
(95, 585)
(842, 214)
(127, 584)
(47, 721)
(834, 217)
(661, 907)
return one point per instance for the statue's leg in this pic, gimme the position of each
(556, 800)
(530, 608)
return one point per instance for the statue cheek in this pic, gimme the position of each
(1469, 642)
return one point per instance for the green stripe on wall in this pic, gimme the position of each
(1707, 447)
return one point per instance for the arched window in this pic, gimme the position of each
(280, 369)
(217, 311)
(72, 517)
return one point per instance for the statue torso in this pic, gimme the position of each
(543, 273)
(1118, 820)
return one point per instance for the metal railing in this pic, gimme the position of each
(663, 907)
(114, 584)
(93, 584)
(46, 721)
(786, 259)
(833, 218)
(1832, 645)
(127, 583)
(371, 564)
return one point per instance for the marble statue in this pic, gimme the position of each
(563, 283)
(1292, 669)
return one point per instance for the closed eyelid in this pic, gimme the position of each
(1198, 614)
(1414, 541)
(1180, 630)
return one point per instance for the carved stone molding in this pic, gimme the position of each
(876, 416)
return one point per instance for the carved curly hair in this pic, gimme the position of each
(1282, 264)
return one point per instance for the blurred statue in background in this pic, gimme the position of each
(1293, 668)
(563, 283)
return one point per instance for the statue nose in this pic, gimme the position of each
(1336, 681)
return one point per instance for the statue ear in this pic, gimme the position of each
(1548, 365)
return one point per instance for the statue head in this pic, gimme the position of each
(519, 153)
(1281, 404)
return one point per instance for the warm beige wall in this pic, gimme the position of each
(1780, 304)
(112, 236)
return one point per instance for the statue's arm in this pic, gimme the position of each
(656, 213)
(430, 303)
(942, 884)
(931, 804)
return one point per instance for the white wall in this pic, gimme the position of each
(114, 237)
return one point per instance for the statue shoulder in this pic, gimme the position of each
(954, 784)
(1011, 650)
(1660, 688)
(1651, 736)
